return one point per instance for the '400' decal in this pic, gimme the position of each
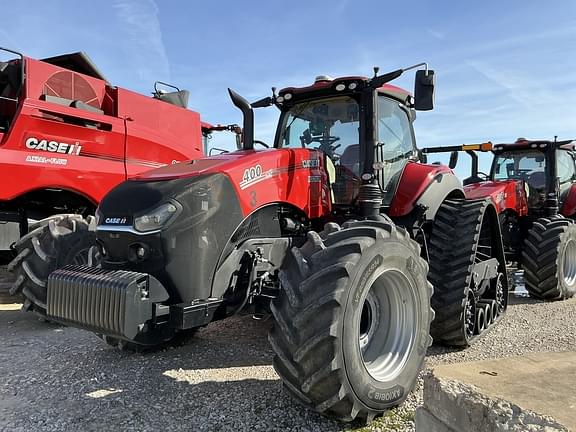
(251, 175)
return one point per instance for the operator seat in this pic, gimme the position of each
(536, 183)
(351, 159)
(347, 181)
(537, 180)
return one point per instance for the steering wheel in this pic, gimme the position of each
(262, 143)
(327, 146)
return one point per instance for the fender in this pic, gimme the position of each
(569, 206)
(505, 195)
(424, 185)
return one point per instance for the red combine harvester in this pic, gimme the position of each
(533, 186)
(331, 229)
(66, 138)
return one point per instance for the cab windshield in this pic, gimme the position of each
(332, 126)
(529, 166)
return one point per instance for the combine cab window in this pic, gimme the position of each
(395, 145)
(10, 87)
(332, 126)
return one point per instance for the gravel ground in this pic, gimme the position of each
(63, 379)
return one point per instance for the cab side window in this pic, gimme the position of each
(395, 145)
(565, 167)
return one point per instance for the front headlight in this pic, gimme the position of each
(156, 218)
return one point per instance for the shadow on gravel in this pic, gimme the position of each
(222, 380)
(520, 300)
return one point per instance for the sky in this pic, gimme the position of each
(504, 69)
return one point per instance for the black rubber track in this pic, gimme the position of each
(452, 250)
(310, 309)
(543, 257)
(51, 244)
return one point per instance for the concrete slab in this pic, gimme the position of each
(544, 383)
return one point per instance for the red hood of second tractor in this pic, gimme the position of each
(505, 194)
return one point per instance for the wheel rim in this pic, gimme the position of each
(569, 265)
(388, 323)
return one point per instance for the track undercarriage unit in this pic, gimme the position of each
(467, 270)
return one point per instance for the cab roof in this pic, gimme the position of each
(326, 83)
(525, 144)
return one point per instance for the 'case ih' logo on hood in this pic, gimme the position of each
(115, 220)
(53, 146)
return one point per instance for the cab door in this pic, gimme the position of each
(566, 173)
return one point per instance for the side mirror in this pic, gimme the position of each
(453, 160)
(424, 90)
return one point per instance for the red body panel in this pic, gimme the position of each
(505, 194)
(96, 154)
(295, 176)
(569, 206)
(414, 181)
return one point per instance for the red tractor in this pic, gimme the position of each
(331, 229)
(66, 138)
(533, 186)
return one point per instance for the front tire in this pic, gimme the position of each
(549, 259)
(50, 245)
(352, 320)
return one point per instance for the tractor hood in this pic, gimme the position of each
(180, 250)
(219, 163)
(505, 194)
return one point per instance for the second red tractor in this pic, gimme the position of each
(532, 184)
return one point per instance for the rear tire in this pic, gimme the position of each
(349, 300)
(51, 244)
(549, 259)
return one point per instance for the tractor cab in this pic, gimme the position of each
(547, 169)
(363, 126)
(543, 173)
